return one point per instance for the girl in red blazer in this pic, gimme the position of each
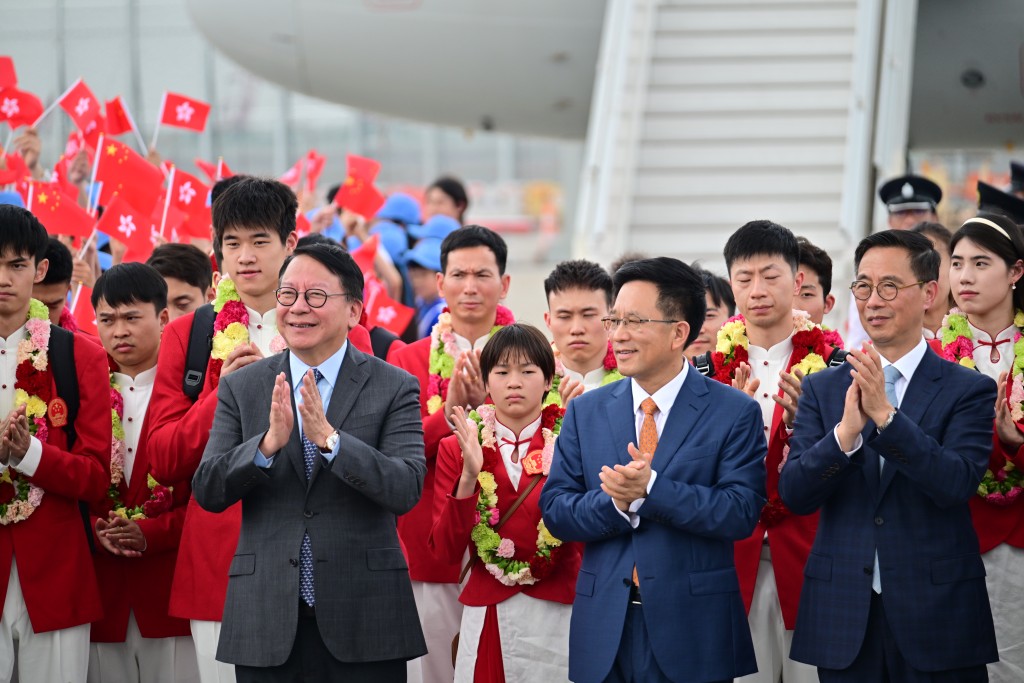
(490, 473)
(983, 332)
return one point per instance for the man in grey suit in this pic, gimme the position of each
(319, 589)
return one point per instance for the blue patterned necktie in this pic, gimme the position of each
(891, 375)
(310, 451)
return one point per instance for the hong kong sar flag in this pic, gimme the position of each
(186, 192)
(184, 112)
(80, 104)
(125, 223)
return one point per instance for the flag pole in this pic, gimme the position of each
(31, 189)
(85, 245)
(156, 131)
(167, 204)
(8, 141)
(74, 299)
(220, 169)
(91, 208)
(54, 104)
(135, 128)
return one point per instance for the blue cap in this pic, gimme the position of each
(400, 207)
(12, 198)
(392, 238)
(426, 253)
(438, 227)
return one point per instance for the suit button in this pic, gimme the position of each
(868, 570)
(293, 562)
(879, 521)
(308, 514)
(627, 582)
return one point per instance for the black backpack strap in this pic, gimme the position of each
(197, 356)
(65, 376)
(381, 340)
(704, 364)
(837, 357)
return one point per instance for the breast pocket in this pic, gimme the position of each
(242, 565)
(585, 583)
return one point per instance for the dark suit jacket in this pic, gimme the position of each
(708, 494)
(364, 603)
(916, 514)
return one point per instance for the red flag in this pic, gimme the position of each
(118, 121)
(359, 196)
(222, 169)
(93, 131)
(80, 104)
(208, 169)
(186, 192)
(19, 108)
(61, 170)
(58, 213)
(314, 162)
(128, 225)
(14, 169)
(122, 171)
(383, 311)
(84, 314)
(198, 225)
(184, 112)
(302, 226)
(8, 77)
(362, 167)
(365, 253)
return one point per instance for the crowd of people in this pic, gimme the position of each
(240, 478)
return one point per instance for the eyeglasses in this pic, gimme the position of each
(316, 298)
(632, 324)
(887, 290)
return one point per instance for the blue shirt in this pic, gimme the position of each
(329, 369)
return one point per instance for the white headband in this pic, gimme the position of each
(984, 221)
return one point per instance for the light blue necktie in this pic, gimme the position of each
(310, 451)
(891, 375)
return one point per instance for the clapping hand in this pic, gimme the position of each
(744, 381)
(1006, 428)
(626, 483)
(314, 423)
(16, 437)
(120, 536)
(791, 390)
(466, 387)
(569, 389)
(472, 454)
(282, 419)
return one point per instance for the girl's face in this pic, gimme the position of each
(517, 387)
(980, 280)
(436, 203)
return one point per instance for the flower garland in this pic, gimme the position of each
(33, 388)
(231, 326)
(611, 374)
(809, 350)
(1005, 485)
(444, 350)
(160, 499)
(497, 553)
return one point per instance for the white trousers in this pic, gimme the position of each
(1004, 568)
(440, 616)
(61, 655)
(143, 660)
(205, 635)
(768, 630)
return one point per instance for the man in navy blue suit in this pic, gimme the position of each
(657, 597)
(890, 447)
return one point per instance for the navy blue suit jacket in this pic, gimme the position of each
(915, 513)
(709, 491)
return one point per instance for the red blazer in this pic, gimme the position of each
(141, 584)
(996, 524)
(789, 536)
(414, 526)
(454, 520)
(178, 431)
(52, 550)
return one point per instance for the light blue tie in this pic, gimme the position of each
(892, 374)
(310, 451)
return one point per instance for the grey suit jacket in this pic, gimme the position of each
(364, 603)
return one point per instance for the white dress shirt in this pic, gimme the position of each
(136, 393)
(765, 365)
(262, 329)
(983, 354)
(506, 447)
(8, 368)
(465, 345)
(591, 380)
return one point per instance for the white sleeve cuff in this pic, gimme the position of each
(29, 462)
(856, 444)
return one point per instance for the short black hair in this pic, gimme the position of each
(718, 289)
(21, 233)
(818, 260)
(762, 238)
(937, 231)
(624, 259)
(578, 274)
(335, 259)
(317, 238)
(1008, 247)
(516, 342)
(454, 188)
(62, 265)
(185, 262)
(680, 289)
(924, 260)
(223, 184)
(254, 204)
(474, 236)
(128, 283)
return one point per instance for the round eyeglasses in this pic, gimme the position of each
(887, 290)
(315, 298)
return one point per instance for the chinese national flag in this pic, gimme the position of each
(365, 253)
(125, 223)
(122, 171)
(8, 77)
(383, 311)
(186, 192)
(84, 314)
(58, 213)
(118, 121)
(19, 108)
(184, 112)
(357, 193)
(363, 167)
(81, 105)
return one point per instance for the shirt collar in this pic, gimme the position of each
(268, 319)
(592, 377)
(329, 368)
(465, 345)
(1003, 335)
(907, 365)
(503, 432)
(664, 397)
(143, 379)
(14, 339)
(779, 352)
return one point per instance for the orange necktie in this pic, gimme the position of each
(648, 442)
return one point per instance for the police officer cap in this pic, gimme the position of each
(1016, 176)
(910, 193)
(994, 200)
